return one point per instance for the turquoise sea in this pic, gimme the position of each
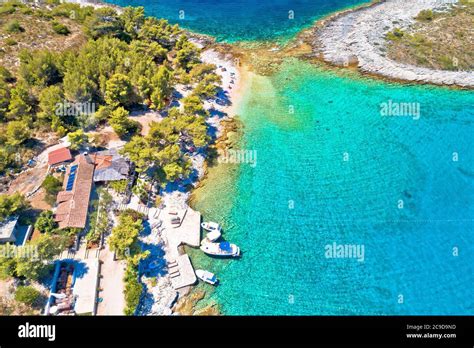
(241, 20)
(332, 169)
(302, 196)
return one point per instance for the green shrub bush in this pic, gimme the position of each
(425, 15)
(14, 27)
(60, 28)
(27, 295)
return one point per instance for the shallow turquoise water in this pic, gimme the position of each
(408, 252)
(241, 20)
(302, 195)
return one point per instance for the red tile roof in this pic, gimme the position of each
(60, 155)
(73, 205)
(101, 161)
(64, 196)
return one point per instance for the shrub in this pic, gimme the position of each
(5, 75)
(14, 27)
(26, 294)
(133, 292)
(42, 14)
(26, 10)
(7, 9)
(72, 11)
(125, 233)
(60, 28)
(10, 42)
(133, 287)
(51, 184)
(45, 222)
(12, 204)
(447, 63)
(394, 35)
(425, 15)
(119, 186)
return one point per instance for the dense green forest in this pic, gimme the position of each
(128, 62)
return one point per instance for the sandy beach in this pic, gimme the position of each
(357, 38)
(231, 93)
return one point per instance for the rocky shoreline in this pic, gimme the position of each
(356, 38)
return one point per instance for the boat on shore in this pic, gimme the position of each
(221, 249)
(214, 230)
(207, 276)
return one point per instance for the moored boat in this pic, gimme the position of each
(214, 230)
(221, 249)
(213, 236)
(206, 276)
(211, 226)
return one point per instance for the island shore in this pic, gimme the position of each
(161, 297)
(357, 38)
(222, 113)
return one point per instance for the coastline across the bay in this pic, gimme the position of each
(357, 37)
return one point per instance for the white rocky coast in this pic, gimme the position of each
(358, 38)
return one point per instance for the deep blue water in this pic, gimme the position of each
(240, 20)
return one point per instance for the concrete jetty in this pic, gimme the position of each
(187, 232)
(182, 274)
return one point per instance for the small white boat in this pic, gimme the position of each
(213, 236)
(214, 230)
(206, 276)
(221, 249)
(211, 226)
